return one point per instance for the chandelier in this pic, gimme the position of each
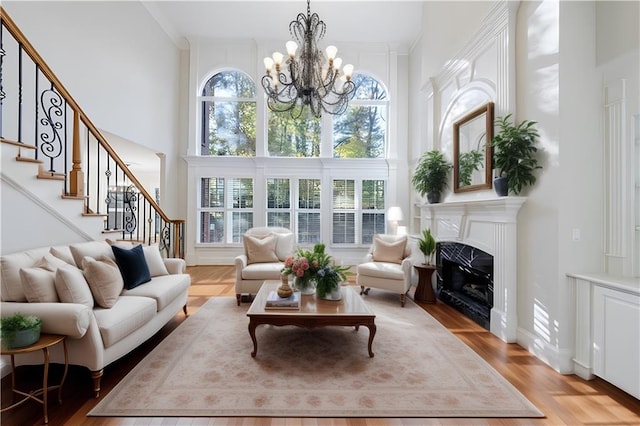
(307, 78)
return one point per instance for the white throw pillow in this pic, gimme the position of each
(39, 285)
(284, 245)
(63, 253)
(93, 249)
(50, 262)
(72, 287)
(388, 251)
(151, 255)
(260, 250)
(104, 278)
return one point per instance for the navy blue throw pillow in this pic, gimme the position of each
(133, 266)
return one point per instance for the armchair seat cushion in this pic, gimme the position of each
(262, 271)
(392, 271)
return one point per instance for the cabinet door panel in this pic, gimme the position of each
(616, 349)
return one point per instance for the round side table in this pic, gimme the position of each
(44, 343)
(424, 290)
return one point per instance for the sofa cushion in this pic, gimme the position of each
(72, 287)
(260, 250)
(127, 314)
(163, 289)
(262, 271)
(10, 265)
(388, 251)
(132, 265)
(381, 270)
(39, 285)
(93, 249)
(105, 280)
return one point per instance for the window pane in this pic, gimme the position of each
(229, 128)
(278, 194)
(373, 194)
(233, 84)
(241, 222)
(368, 88)
(372, 223)
(241, 193)
(282, 219)
(212, 227)
(309, 193)
(344, 228)
(360, 132)
(212, 192)
(293, 137)
(308, 227)
(343, 194)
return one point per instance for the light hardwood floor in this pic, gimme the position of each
(565, 399)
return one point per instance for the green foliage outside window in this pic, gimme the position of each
(229, 121)
(361, 131)
(293, 137)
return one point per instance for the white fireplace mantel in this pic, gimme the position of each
(490, 225)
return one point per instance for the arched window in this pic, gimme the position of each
(361, 131)
(229, 115)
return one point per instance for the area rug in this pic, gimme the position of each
(204, 369)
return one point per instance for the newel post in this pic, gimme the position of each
(76, 182)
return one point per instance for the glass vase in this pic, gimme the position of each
(305, 285)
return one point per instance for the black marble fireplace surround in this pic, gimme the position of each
(465, 280)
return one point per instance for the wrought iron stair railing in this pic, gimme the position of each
(48, 127)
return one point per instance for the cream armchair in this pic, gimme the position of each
(387, 266)
(265, 250)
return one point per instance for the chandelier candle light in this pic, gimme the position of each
(304, 80)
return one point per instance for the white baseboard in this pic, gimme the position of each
(559, 359)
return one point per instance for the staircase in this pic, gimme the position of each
(61, 180)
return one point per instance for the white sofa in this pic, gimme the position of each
(47, 282)
(266, 249)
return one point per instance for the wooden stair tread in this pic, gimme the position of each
(28, 160)
(75, 197)
(18, 144)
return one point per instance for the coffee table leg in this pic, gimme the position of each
(372, 333)
(252, 333)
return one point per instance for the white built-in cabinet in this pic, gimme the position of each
(608, 330)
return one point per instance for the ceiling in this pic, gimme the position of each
(377, 21)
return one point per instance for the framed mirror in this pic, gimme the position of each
(472, 150)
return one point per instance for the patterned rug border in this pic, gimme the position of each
(189, 333)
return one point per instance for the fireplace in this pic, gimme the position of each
(488, 226)
(465, 280)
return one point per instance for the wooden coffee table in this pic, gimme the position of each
(314, 312)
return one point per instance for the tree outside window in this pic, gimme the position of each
(293, 137)
(361, 131)
(229, 115)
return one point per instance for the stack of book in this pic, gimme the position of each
(276, 302)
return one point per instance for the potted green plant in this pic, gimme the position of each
(514, 155)
(431, 174)
(427, 245)
(19, 330)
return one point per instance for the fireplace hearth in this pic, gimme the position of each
(465, 280)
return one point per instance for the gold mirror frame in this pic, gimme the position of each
(469, 134)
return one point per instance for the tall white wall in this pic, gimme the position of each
(119, 65)
(565, 52)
